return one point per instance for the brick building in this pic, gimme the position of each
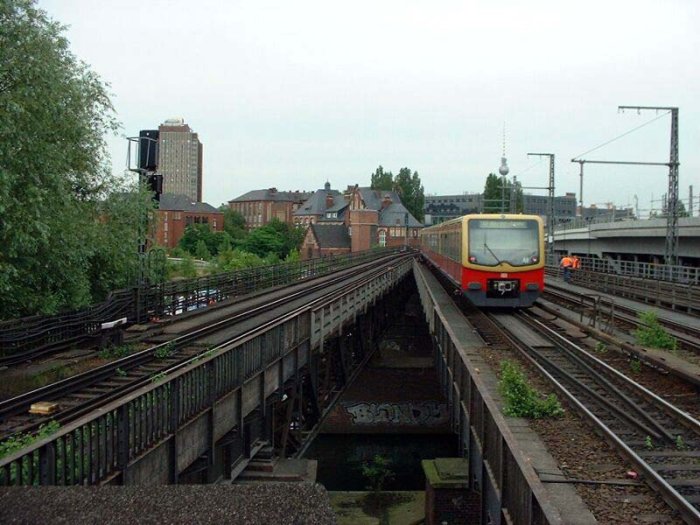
(325, 239)
(369, 218)
(176, 212)
(259, 207)
(323, 206)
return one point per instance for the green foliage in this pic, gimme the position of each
(237, 260)
(185, 268)
(156, 378)
(377, 472)
(522, 400)
(276, 238)
(382, 180)
(497, 199)
(20, 441)
(648, 443)
(164, 352)
(120, 372)
(201, 251)
(601, 347)
(636, 366)
(69, 229)
(234, 223)
(406, 184)
(680, 443)
(653, 335)
(116, 352)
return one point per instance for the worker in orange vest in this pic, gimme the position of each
(566, 264)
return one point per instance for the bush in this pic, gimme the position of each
(522, 400)
(652, 334)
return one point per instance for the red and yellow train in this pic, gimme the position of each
(495, 259)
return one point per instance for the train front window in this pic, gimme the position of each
(495, 241)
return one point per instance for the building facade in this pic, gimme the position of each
(365, 218)
(180, 159)
(441, 208)
(259, 207)
(176, 212)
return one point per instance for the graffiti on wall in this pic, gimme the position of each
(423, 413)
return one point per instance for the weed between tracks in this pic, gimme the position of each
(521, 399)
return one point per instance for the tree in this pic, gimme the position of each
(406, 184)
(382, 180)
(492, 194)
(54, 113)
(234, 223)
(411, 191)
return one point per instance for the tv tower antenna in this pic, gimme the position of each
(503, 170)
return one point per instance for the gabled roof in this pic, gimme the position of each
(331, 235)
(392, 215)
(395, 215)
(175, 202)
(316, 203)
(271, 194)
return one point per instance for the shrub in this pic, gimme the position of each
(652, 334)
(521, 399)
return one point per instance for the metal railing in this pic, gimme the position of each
(163, 300)
(103, 446)
(686, 275)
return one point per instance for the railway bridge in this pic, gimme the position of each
(268, 384)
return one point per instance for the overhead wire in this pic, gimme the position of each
(623, 135)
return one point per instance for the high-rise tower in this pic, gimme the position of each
(180, 159)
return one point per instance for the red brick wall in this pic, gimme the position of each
(170, 224)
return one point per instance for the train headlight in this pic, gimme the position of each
(534, 259)
(472, 259)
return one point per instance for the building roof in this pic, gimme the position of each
(315, 204)
(271, 194)
(392, 215)
(331, 235)
(395, 215)
(172, 201)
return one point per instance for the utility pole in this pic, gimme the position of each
(671, 251)
(550, 214)
(580, 186)
(690, 201)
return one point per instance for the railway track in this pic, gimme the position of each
(88, 391)
(661, 441)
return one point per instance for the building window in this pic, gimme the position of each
(382, 238)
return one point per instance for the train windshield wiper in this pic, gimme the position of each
(494, 255)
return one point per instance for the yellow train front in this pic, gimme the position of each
(495, 259)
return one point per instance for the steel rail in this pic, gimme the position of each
(673, 498)
(685, 334)
(20, 404)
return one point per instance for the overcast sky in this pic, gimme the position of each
(291, 94)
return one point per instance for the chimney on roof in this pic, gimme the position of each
(387, 201)
(273, 190)
(329, 200)
(327, 186)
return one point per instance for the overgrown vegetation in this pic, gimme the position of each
(20, 441)
(116, 352)
(521, 399)
(377, 471)
(653, 335)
